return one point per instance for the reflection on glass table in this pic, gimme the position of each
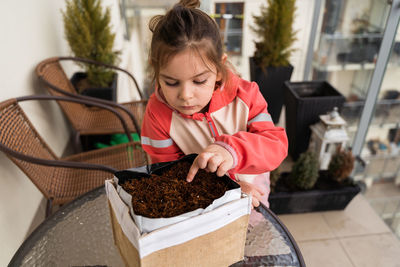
(80, 234)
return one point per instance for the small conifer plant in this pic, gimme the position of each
(305, 171)
(274, 28)
(88, 32)
(274, 176)
(341, 165)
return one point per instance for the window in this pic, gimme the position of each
(229, 17)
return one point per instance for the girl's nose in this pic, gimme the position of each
(186, 92)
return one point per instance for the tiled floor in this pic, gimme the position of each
(354, 237)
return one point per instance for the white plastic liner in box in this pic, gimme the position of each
(147, 225)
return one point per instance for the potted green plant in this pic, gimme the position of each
(274, 176)
(269, 66)
(304, 173)
(88, 32)
(308, 189)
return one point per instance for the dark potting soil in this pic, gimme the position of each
(169, 194)
(324, 182)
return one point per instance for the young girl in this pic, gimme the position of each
(200, 106)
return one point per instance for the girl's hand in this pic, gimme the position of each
(252, 190)
(214, 158)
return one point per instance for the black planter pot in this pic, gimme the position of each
(107, 93)
(270, 82)
(332, 196)
(304, 102)
(89, 142)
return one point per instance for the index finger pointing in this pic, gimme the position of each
(192, 171)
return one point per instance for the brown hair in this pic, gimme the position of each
(185, 26)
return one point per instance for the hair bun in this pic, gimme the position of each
(154, 22)
(189, 3)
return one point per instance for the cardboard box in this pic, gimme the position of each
(214, 238)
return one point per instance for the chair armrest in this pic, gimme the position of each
(80, 101)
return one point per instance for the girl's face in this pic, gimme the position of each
(187, 83)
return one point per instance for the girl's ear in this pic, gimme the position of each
(223, 60)
(224, 57)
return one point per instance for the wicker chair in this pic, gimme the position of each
(94, 121)
(61, 179)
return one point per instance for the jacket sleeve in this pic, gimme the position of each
(263, 146)
(155, 137)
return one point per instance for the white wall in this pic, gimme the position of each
(30, 32)
(129, 54)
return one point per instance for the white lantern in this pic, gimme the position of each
(327, 135)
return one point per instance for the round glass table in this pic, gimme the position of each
(80, 234)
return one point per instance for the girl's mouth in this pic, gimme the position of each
(187, 107)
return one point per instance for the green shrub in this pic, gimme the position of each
(305, 171)
(88, 32)
(276, 35)
(274, 176)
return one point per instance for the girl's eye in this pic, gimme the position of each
(171, 84)
(200, 82)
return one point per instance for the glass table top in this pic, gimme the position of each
(80, 234)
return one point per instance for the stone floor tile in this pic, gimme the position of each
(373, 250)
(307, 226)
(359, 218)
(326, 253)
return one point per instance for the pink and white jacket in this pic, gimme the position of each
(237, 119)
